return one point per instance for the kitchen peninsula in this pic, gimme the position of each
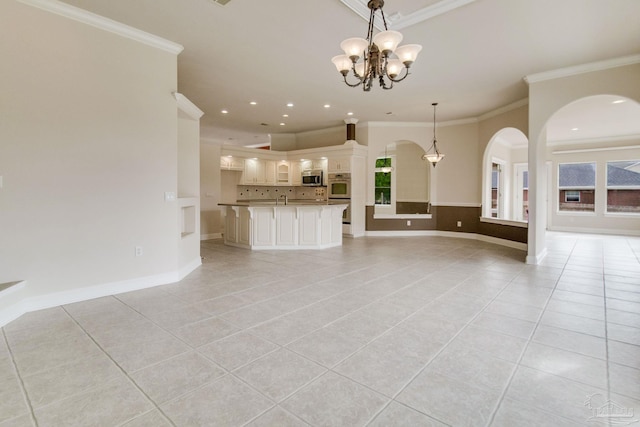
(295, 225)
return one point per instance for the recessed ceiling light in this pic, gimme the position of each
(290, 104)
(327, 106)
(224, 112)
(574, 129)
(285, 115)
(619, 101)
(253, 103)
(350, 113)
(281, 124)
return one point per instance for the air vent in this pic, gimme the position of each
(221, 2)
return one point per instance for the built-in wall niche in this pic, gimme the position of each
(405, 189)
(188, 216)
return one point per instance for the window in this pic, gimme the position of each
(572, 196)
(383, 181)
(576, 187)
(496, 189)
(623, 187)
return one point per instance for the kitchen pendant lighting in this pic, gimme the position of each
(376, 51)
(387, 164)
(433, 156)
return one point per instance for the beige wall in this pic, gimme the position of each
(88, 148)
(412, 173)
(546, 97)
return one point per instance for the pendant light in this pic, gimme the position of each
(433, 156)
(387, 163)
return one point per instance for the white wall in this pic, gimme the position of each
(88, 148)
(548, 94)
(210, 192)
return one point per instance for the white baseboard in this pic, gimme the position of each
(211, 236)
(536, 259)
(26, 304)
(458, 235)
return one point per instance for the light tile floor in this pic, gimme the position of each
(421, 331)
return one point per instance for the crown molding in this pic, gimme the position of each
(459, 122)
(561, 142)
(596, 150)
(502, 110)
(106, 24)
(397, 21)
(584, 68)
(188, 107)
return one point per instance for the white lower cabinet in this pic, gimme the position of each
(287, 232)
(284, 227)
(308, 226)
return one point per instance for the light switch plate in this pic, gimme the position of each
(169, 196)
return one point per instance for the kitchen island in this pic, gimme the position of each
(296, 225)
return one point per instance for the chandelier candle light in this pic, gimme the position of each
(435, 156)
(376, 51)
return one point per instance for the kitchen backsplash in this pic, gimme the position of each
(262, 192)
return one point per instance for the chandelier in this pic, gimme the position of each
(376, 51)
(433, 156)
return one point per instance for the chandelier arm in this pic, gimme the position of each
(352, 84)
(406, 74)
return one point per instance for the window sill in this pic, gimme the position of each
(575, 213)
(622, 214)
(500, 221)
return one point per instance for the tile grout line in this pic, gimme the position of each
(432, 358)
(528, 342)
(121, 370)
(23, 389)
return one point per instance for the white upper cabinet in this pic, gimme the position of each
(231, 163)
(339, 165)
(296, 173)
(282, 173)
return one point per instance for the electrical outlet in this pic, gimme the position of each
(138, 250)
(459, 223)
(170, 196)
(409, 223)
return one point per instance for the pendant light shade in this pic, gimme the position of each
(433, 155)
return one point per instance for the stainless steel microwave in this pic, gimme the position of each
(312, 178)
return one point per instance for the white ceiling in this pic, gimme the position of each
(273, 52)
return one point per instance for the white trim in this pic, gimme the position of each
(106, 24)
(359, 7)
(458, 205)
(211, 236)
(584, 68)
(453, 234)
(510, 222)
(625, 232)
(188, 107)
(55, 299)
(458, 122)
(505, 109)
(593, 150)
(536, 259)
(13, 288)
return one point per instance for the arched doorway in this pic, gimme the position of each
(505, 176)
(593, 158)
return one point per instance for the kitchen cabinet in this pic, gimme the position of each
(339, 165)
(250, 175)
(296, 173)
(259, 172)
(267, 175)
(231, 163)
(283, 226)
(282, 173)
